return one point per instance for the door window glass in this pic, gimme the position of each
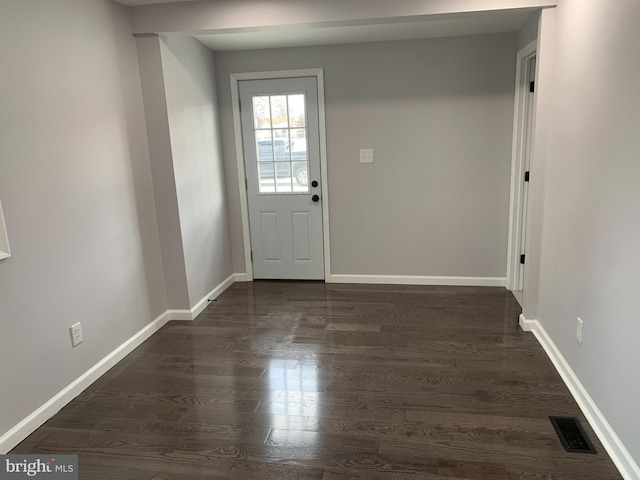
(281, 143)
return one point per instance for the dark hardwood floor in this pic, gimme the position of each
(284, 380)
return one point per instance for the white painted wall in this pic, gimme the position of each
(192, 109)
(77, 196)
(438, 114)
(591, 232)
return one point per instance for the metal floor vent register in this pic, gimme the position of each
(572, 435)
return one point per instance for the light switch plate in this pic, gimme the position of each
(366, 155)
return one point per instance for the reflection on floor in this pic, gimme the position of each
(302, 380)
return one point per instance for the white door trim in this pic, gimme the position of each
(517, 163)
(318, 73)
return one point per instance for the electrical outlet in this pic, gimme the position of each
(76, 334)
(579, 327)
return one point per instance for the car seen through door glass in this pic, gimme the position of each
(267, 158)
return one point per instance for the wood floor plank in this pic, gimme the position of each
(98, 472)
(352, 474)
(475, 470)
(340, 442)
(313, 381)
(183, 476)
(257, 471)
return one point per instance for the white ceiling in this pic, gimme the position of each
(306, 35)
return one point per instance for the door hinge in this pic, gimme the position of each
(526, 176)
(246, 184)
(251, 255)
(532, 86)
(522, 259)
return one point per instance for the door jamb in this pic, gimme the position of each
(318, 73)
(516, 216)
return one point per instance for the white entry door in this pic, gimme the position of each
(282, 164)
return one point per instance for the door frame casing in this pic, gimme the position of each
(519, 145)
(236, 78)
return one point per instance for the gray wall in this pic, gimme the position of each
(190, 86)
(77, 195)
(590, 258)
(438, 114)
(529, 31)
(162, 171)
(544, 118)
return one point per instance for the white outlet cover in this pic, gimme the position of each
(76, 334)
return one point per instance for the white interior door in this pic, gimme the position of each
(528, 150)
(282, 163)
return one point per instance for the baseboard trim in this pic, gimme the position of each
(180, 315)
(27, 426)
(613, 445)
(419, 280)
(212, 295)
(198, 308)
(241, 277)
(526, 324)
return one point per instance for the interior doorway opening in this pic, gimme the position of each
(521, 175)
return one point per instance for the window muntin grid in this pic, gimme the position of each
(280, 130)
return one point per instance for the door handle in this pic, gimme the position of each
(315, 198)
(314, 184)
